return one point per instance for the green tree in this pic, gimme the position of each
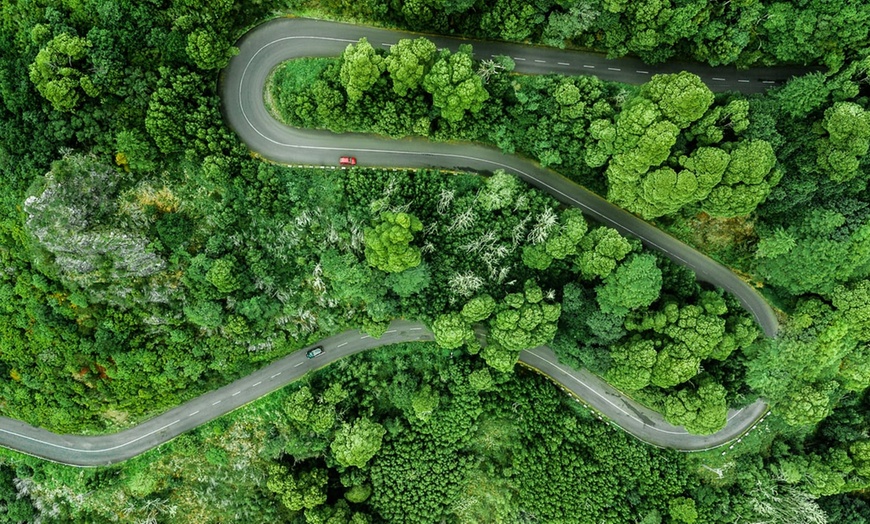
(853, 303)
(355, 444)
(682, 97)
(701, 411)
(451, 330)
(746, 182)
(361, 67)
(848, 128)
(454, 86)
(682, 509)
(134, 151)
(388, 246)
(635, 284)
(75, 218)
(209, 49)
(831, 246)
(408, 63)
(297, 491)
(564, 26)
(481, 380)
(57, 71)
(804, 94)
(410, 281)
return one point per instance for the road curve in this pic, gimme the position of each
(270, 44)
(242, 88)
(102, 450)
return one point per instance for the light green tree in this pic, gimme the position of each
(451, 330)
(424, 402)
(300, 490)
(746, 182)
(632, 365)
(223, 275)
(57, 71)
(682, 509)
(355, 444)
(635, 284)
(408, 62)
(388, 245)
(522, 321)
(361, 67)
(499, 190)
(807, 405)
(701, 411)
(682, 97)
(600, 251)
(454, 86)
(479, 308)
(848, 128)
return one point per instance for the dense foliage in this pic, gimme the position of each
(147, 257)
(400, 434)
(749, 32)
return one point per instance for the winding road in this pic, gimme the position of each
(242, 86)
(101, 450)
(272, 43)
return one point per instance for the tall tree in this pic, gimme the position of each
(454, 86)
(361, 67)
(58, 71)
(408, 63)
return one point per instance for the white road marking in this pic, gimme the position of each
(276, 374)
(113, 448)
(386, 44)
(614, 69)
(216, 403)
(768, 82)
(236, 393)
(519, 58)
(365, 337)
(744, 81)
(192, 414)
(416, 329)
(563, 63)
(589, 66)
(390, 331)
(642, 72)
(332, 167)
(299, 364)
(541, 61)
(718, 79)
(257, 384)
(341, 345)
(605, 399)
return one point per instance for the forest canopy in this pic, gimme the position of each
(149, 257)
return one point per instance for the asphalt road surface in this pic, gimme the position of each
(79, 450)
(267, 46)
(242, 86)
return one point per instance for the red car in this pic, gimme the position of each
(347, 160)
